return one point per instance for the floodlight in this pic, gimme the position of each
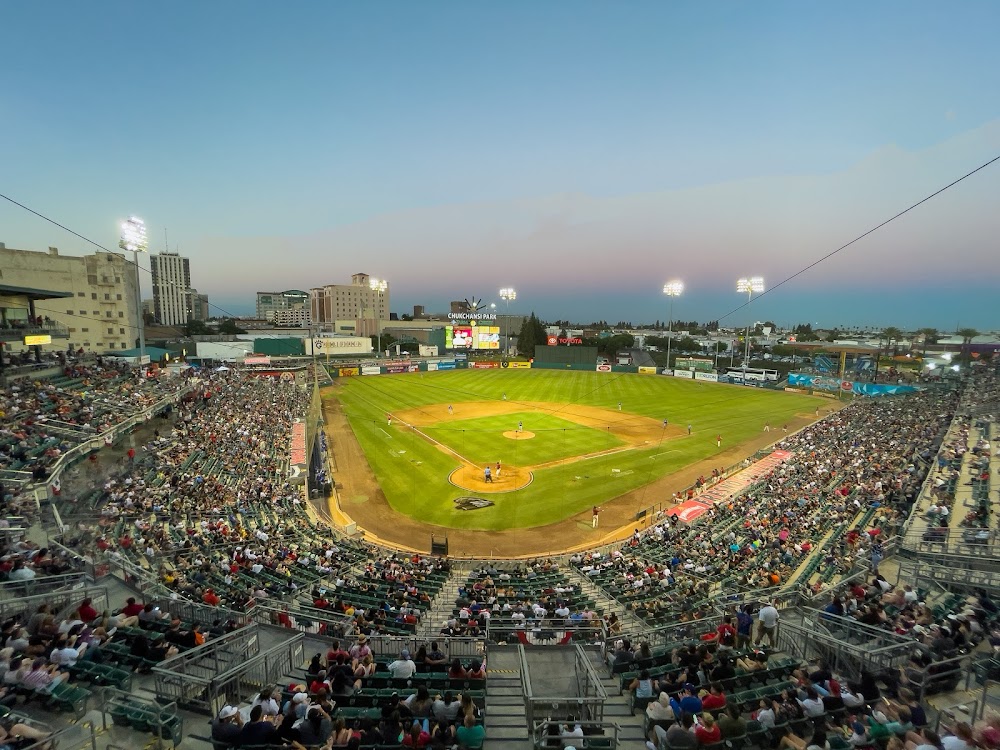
(673, 288)
(750, 285)
(133, 235)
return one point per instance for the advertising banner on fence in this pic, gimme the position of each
(647, 370)
(396, 368)
(683, 374)
(511, 364)
(688, 511)
(450, 365)
(432, 366)
(832, 385)
(341, 345)
(370, 370)
(484, 365)
(258, 360)
(297, 453)
(461, 357)
(348, 372)
(709, 376)
(604, 368)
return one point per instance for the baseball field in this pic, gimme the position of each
(564, 440)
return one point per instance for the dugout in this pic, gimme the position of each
(565, 357)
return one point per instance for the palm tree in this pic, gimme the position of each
(930, 337)
(967, 335)
(892, 336)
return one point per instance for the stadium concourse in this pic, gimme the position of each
(190, 593)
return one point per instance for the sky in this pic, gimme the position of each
(581, 152)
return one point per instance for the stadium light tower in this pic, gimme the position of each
(672, 289)
(507, 294)
(133, 239)
(748, 287)
(378, 286)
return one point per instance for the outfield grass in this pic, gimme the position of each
(481, 440)
(413, 473)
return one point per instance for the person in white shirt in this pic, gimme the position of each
(572, 733)
(403, 667)
(767, 620)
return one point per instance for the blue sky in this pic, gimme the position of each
(582, 152)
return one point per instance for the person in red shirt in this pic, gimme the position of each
(131, 608)
(211, 598)
(86, 612)
(726, 633)
(706, 731)
(715, 699)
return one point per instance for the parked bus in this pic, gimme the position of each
(753, 373)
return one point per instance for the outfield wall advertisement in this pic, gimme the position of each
(710, 377)
(647, 370)
(825, 383)
(400, 367)
(512, 365)
(683, 374)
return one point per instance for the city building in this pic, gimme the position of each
(332, 304)
(199, 306)
(288, 308)
(296, 317)
(171, 275)
(99, 310)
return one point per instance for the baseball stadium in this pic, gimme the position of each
(233, 537)
(254, 498)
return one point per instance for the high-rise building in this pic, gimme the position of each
(290, 301)
(102, 315)
(199, 306)
(354, 301)
(171, 274)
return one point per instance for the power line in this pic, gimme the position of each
(97, 245)
(861, 237)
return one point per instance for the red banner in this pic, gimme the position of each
(688, 510)
(297, 454)
(484, 365)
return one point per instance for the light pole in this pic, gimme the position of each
(749, 286)
(133, 238)
(671, 289)
(507, 294)
(378, 286)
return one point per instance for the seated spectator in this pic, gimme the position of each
(659, 711)
(706, 731)
(732, 724)
(714, 699)
(227, 726)
(470, 735)
(456, 671)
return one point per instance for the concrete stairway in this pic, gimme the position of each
(443, 604)
(504, 720)
(616, 707)
(630, 623)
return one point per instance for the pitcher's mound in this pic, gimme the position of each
(515, 435)
(471, 478)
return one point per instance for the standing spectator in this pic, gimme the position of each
(767, 624)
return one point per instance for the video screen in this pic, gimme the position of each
(472, 338)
